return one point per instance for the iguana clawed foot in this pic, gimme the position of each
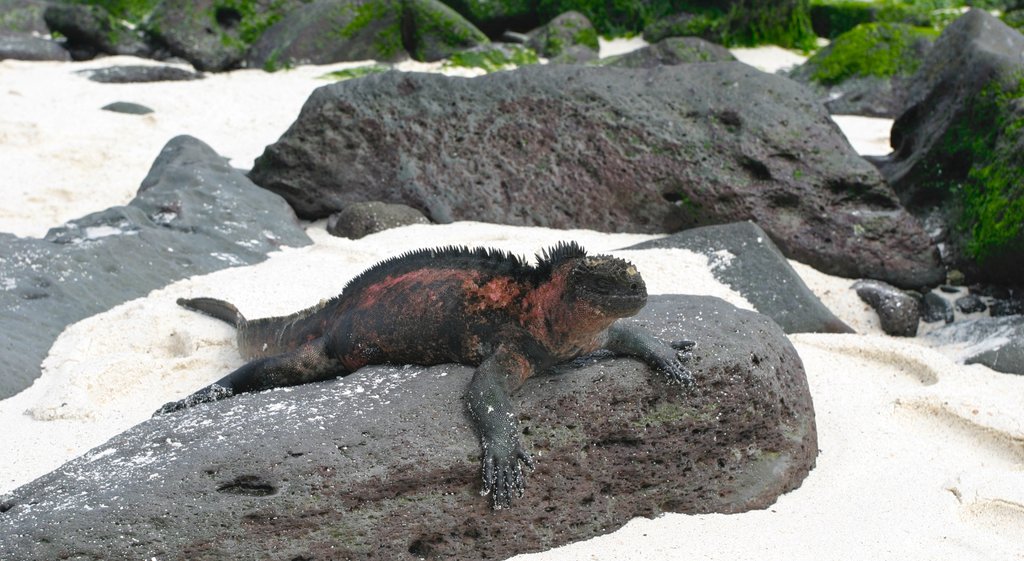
(503, 474)
(208, 394)
(672, 360)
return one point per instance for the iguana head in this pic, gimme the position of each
(608, 284)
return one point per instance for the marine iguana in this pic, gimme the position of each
(481, 307)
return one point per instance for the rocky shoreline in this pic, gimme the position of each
(742, 168)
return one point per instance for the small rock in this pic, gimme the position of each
(897, 311)
(128, 108)
(970, 304)
(936, 308)
(362, 219)
(139, 73)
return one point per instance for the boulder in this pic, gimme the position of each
(23, 46)
(958, 159)
(670, 51)
(562, 33)
(193, 214)
(23, 16)
(384, 464)
(898, 312)
(91, 30)
(494, 18)
(138, 73)
(742, 256)
(212, 35)
(347, 30)
(997, 343)
(493, 57)
(786, 23)
(609, 149)
(866, 70)
(362, 219)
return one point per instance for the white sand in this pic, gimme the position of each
(920, 458)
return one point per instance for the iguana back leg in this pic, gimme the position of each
(308, 363)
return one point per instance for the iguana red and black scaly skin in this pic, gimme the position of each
(480, 307)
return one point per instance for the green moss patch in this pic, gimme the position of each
(493, 58)
(871, 49)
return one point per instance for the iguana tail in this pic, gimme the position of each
(212, 307)
(265, 336)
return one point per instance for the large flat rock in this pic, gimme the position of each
(383, 464)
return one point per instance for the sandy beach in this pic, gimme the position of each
(920, 457)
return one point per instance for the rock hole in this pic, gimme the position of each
(5, 506)
(756, 168)
(228, 18)
(424, 546)
(672, 197)
(248, 486)
(721, 462)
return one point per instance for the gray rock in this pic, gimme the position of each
(213, 35)
(339, 30)
(673, 50)
(23, 16)
(935, 308)
(127, 107)
(91, 30)
(997, 343)
(193, 214)
(898, 312)
(568, 30)
(744, 258)
(970, 304)
(384, 465)
(23, 46)
(610, 149)
(361, 219)
(138, 73)
(959, 149)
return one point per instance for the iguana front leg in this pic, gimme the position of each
(308, 363)
(487, 398)
(668, 357)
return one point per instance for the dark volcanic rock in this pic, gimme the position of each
(128, 108)
(674, 50)
(193, 214)
(744, 257)
(138, 73)
(898, 312)
(341, 30)
(959, 148)
(866, 71)
(91, 30)
(361, 219)
(565, 31)
(970, 304)
(210, 34)
(23, 16)
(384, 465)
(995, 342)
(610, 149)
(935, 308)
(22, 46)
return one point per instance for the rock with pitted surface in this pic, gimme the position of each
(193, 214)
(612, 149)
(898, 312)
(383, 464)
